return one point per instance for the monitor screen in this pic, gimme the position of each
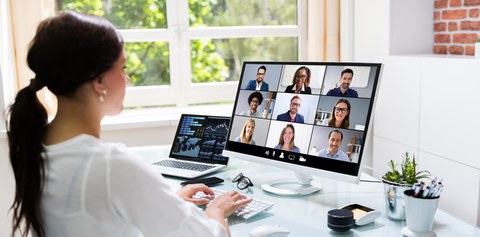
(309, 117)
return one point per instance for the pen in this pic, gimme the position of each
(418, 189)
(437, 193)
(433, 190)
(426, 192)
(414, 186)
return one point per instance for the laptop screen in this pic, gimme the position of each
(201, 138)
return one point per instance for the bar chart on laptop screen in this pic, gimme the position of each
(201, 137)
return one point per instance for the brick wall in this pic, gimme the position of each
(456, 26)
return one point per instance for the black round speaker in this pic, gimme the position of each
(340, 220)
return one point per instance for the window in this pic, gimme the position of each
(6, 53)
(184, 52)
(2, 104)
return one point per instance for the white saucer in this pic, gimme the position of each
(407, 232)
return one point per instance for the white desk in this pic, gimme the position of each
(307, 216)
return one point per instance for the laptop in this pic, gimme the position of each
(197, 147)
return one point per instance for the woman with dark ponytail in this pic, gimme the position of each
(68, 182)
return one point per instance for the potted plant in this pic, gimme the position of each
(396, 181)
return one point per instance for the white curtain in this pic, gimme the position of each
(25, 17)
(323, 30)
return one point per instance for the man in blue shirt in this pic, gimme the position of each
(335, 139)
(292, 115)
(344, 89)
(258, 84)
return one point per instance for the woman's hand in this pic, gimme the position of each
(220, 207)
(227, 203)
(189, 190)
(224, 205)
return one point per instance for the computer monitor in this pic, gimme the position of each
(308, 117)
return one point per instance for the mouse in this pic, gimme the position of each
(269, 231)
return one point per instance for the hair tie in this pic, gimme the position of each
(36, 84)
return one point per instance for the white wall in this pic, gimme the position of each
(158, 133)
(422, 100)
(152, 126)
(381, 28)
(427, 105)
(411, 27)
(393, 27)
(370, 29)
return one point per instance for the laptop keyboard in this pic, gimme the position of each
(183, 165)
(251, 209)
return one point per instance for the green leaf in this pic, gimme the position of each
(408, 173)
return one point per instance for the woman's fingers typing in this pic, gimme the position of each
(229, 202)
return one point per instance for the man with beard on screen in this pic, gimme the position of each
(292, 115)
(344, 89)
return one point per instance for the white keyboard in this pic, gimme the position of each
(251, 209)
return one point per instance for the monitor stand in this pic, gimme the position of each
(300, 186)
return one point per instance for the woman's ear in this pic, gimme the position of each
(98, 85)
(99, 88)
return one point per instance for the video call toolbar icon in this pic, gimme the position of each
(291, 157)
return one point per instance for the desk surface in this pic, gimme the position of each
(307, 215)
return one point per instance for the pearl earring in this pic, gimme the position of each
(102, 95)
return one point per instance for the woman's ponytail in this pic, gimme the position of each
(27, 120)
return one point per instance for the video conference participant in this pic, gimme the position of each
(258, 84)
(254, 100)
(344, 89)
(246, 136)
(286, 141)
(292, 114)
(340, 115)
(69, 182)
(335, 139)
(300, 82)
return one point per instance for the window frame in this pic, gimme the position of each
(182, 92)
(7, 64)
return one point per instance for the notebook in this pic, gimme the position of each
(197, 147)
